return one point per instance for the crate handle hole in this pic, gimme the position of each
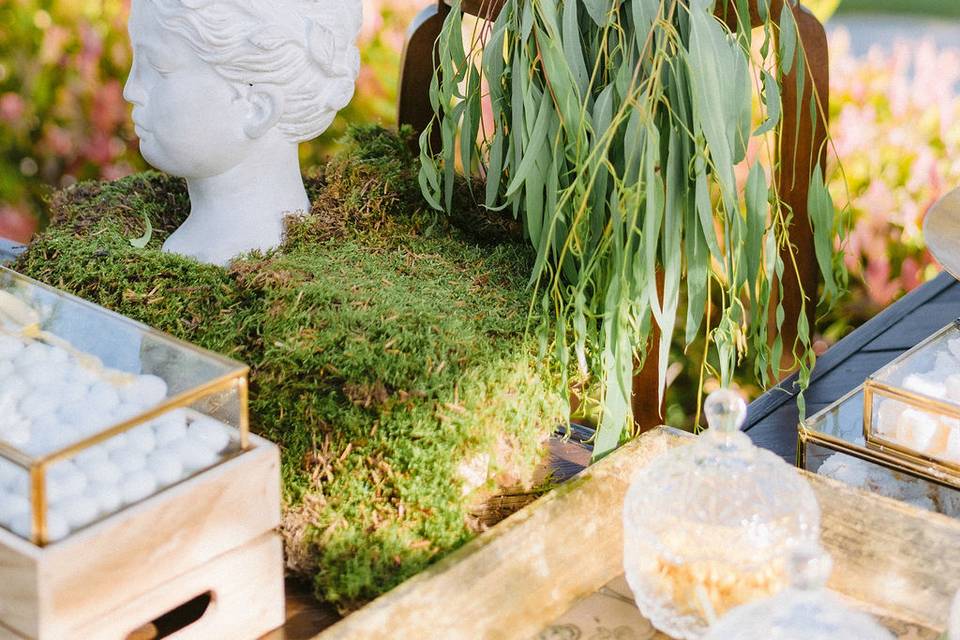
(175, 619)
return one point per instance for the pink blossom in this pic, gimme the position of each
(12, 107)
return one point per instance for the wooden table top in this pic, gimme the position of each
(773, 417)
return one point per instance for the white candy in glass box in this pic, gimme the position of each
(913, 404)
(112, 411)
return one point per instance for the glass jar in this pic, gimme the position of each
(807, 610)
(707, 526)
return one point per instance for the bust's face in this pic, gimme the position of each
(189, 119)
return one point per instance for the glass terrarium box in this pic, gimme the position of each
(126, 463)
(833, 443)
(912, 407)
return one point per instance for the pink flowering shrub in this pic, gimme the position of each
(896, 132)
(62, 114)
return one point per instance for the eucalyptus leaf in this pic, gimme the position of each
(617, 128)
(144, 240)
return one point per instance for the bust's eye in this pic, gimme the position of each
(159, 64)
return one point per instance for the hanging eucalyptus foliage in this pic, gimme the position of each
(616, 129)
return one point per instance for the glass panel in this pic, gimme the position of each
(927, 368)
(72, 374)
(881, 480)
(925, 432)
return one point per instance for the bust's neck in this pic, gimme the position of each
(242, 209)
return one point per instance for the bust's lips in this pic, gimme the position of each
(138, 128)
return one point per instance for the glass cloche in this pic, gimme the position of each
(807, 610)
(707, 526)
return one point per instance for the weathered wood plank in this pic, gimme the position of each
(921, 323)
(901, 562)
(848, 375)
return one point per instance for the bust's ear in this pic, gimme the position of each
(266, 108)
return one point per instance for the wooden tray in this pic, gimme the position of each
(896, 561)
(110, 579)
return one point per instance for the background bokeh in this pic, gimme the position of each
(895, 127)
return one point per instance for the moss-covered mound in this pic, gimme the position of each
(388, 348)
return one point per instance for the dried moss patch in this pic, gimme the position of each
(389, 352)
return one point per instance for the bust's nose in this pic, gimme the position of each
(133, 91)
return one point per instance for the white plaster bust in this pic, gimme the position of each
(223, 92)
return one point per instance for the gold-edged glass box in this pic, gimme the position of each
(831, 443)
(99, 412)
(912, 406)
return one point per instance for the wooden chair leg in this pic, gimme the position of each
(645, 400)
(416, 69)
(802, 148)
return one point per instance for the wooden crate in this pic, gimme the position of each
(898, 562)
(212, 533)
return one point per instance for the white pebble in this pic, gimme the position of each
(6, 368)
(103, 397)
(165, 467)
(75, 412)
(952, 385)
(91, 455)
(10, 347)
(16, 435)
(128, 459)
(100, 472)
(65, 481)
(62, 436)
(952, 450)
(69, 391)
(192, 454)
(15, 388)
(11, 506)
(79, 511)
(125, 411)
(9, 472)
(145, 391)
(945, 364)
(42, 373)
(36, 404)
(83, 376)
(212, 433)
(107, 496)
(953, 344)
(142, 439)
(20, 485)
(137, 486)
(118, 441)
(888, 417)
(57, 527)
(40, 443)
(920, 384)
(33, 353)
(170, 427)
(917, 430)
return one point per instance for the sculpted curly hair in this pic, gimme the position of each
(306, 47)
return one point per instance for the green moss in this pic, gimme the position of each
(388, 348)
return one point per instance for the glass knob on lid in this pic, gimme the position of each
(707, 526)
(807, 610)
